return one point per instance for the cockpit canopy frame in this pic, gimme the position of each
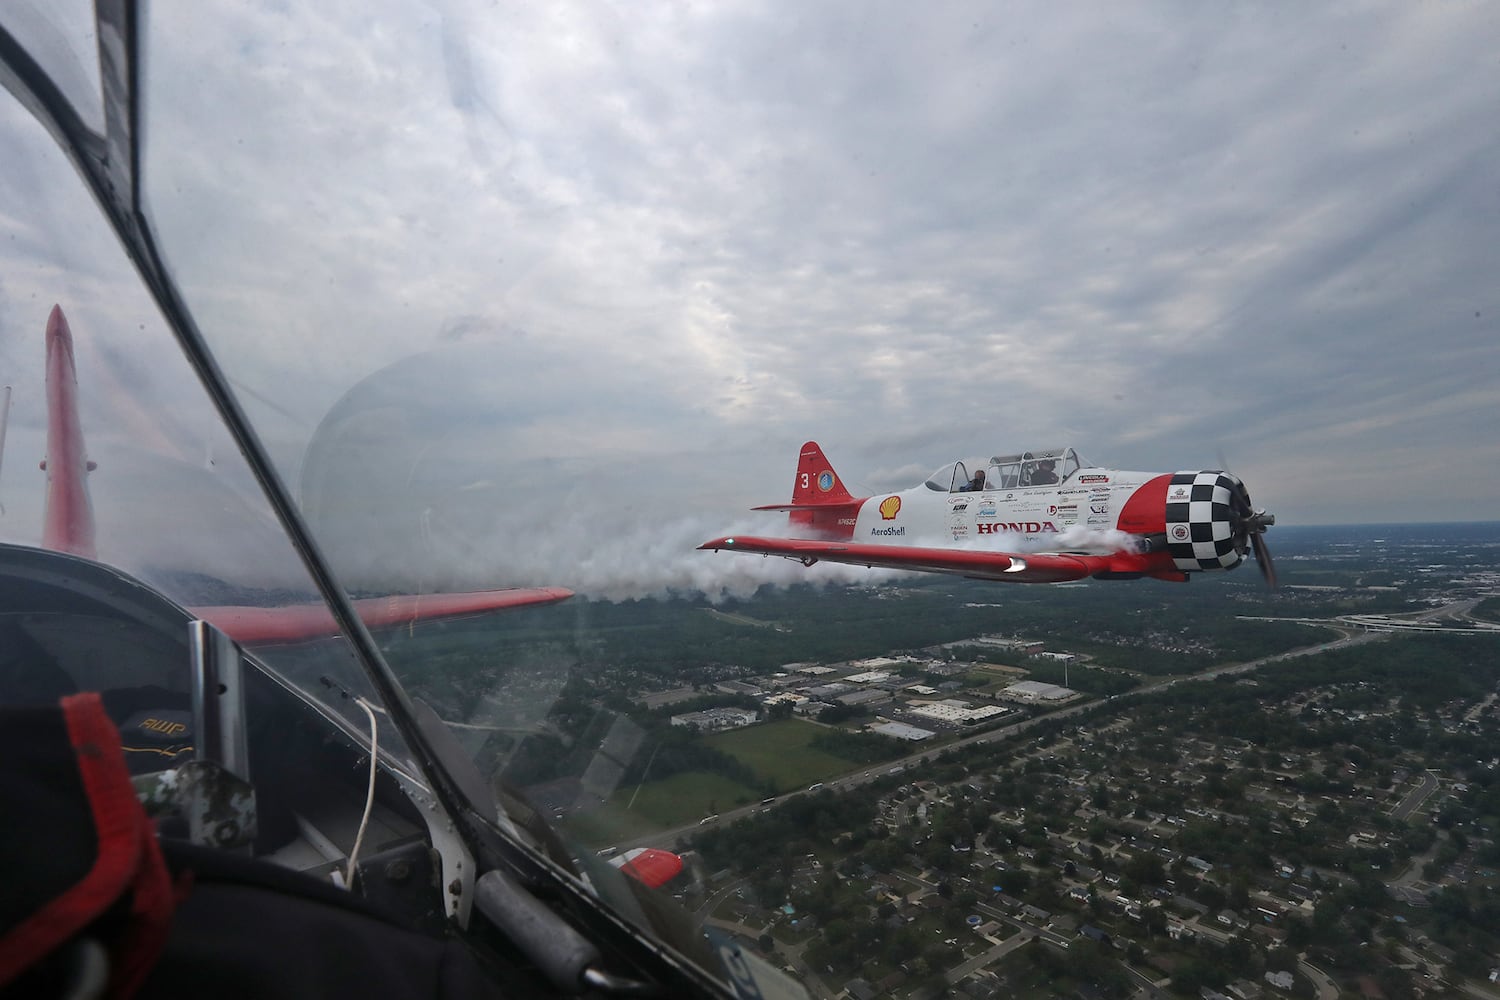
(1037, 467)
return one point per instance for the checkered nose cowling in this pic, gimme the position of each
(1201, 521)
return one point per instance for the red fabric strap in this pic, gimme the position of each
(127, 860)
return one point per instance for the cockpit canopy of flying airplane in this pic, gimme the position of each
(1042, 467)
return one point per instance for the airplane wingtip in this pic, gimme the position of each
(57, 324)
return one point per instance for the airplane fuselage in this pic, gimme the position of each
(1029, 515)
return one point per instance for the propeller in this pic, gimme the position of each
(1250, 524)
(1259, 521)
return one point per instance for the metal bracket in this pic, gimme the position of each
(218, 699)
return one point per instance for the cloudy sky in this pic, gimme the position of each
(554, 292)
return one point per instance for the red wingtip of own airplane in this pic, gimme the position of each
(650, 866)
(68, 521)
(58, 334)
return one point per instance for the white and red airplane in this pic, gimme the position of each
(68, 526)
(1035, 517)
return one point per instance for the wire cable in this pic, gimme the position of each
(364, 820)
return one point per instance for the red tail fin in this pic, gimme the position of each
(819, 499)
(68, 523)
(816, 482)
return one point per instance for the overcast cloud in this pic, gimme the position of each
(666, 244)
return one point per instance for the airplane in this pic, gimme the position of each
(1042, 516)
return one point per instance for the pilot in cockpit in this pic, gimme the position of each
(1044, 474)
(976, 484)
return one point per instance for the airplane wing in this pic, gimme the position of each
(312, 621)
(1011, 567)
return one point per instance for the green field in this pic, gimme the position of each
(609, 825)
(675, 801)
(781, 752)
(778, 751)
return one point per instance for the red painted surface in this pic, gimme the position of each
(820, 503)
(650, 866)
(68, 518)
(1145, 513)
(312, 621)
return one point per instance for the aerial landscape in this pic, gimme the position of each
(1029, 791)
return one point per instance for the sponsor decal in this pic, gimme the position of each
(889, 508)
(889, 531)
(846, 522)
(1095, 478)
(1099, 508)
(959, 505)
(825, 480)
(1064, 509)
(960, 530)
(166, 731)
(1097, 520)
(163, 727)
(1010, 496)
(986, 509)
(1180, 532)
(1023, 527)
(1179, 492)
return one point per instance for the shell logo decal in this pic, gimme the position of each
(889, 508)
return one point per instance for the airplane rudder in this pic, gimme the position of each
(816, 481)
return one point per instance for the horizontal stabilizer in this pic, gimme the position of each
(852, 505)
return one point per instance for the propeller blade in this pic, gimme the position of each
(1263, 557)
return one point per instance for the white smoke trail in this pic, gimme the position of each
(644, 556)
(662, 558)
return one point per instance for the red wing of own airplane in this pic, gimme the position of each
(68, 526)
(1034, 517)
